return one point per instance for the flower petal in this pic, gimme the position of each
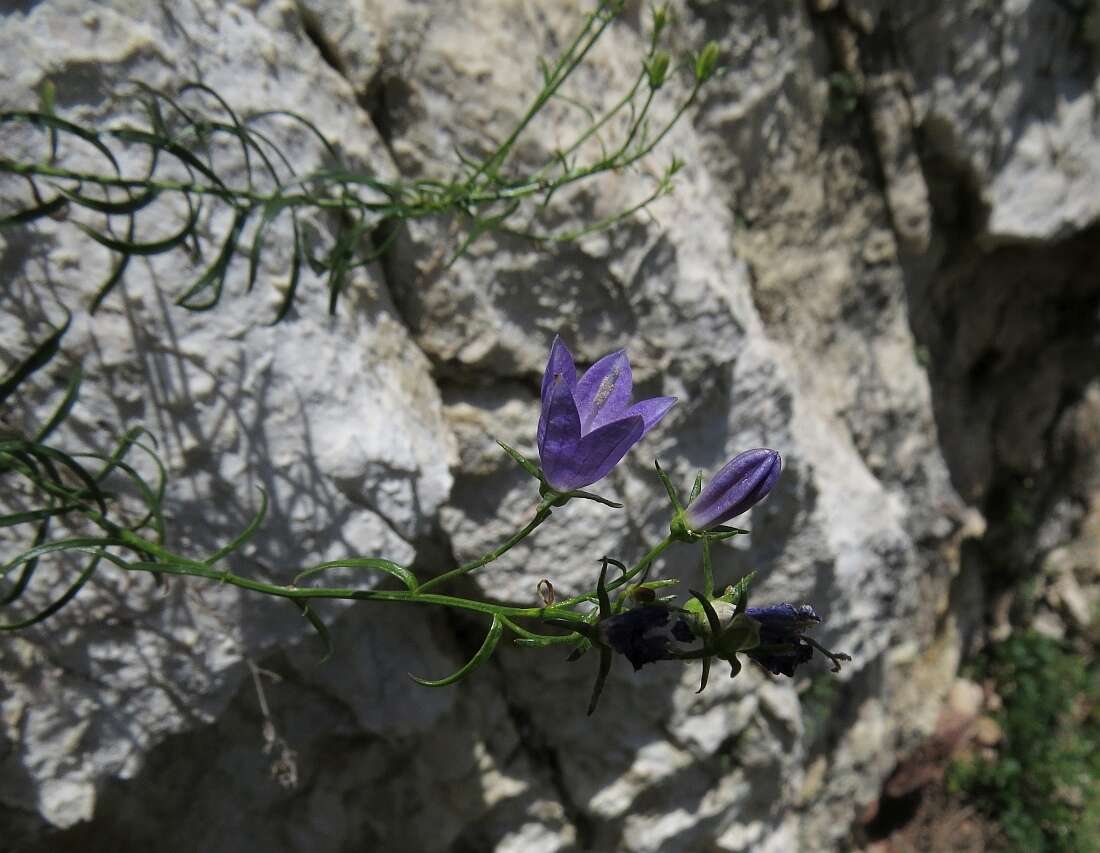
(743, 482)
(560, 364)
(652, 410)
(595, 454)
(603, 392)
(560, 430)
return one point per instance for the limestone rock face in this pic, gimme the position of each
(876, 260)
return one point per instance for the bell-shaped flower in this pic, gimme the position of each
(588, 424)
(743, 482)
(645, 634)
(783, 641)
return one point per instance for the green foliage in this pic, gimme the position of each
(843, 94)
(1043, 788)
(200, 153)
(87, 510)
(82, 512)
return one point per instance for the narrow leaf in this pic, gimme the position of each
(72, 391)
(40, 357)
(400, 572)
(55, 606)
(214, 277)
(295, 276)
(113, 208)
(244, 535)
(28, 567)
(157, 247)
(30, 214)
(483, 654)
(318, 624)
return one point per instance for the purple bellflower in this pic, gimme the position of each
(588, 424)
(645, 634)
(743, 482)
(783, 643)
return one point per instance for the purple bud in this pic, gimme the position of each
(745, 481)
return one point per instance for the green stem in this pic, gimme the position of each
(541, 514)
(593, 129)
(708, 570)
(641, 567)
(228, 194)
(568, 62)
(173, 564)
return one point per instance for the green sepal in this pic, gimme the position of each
(696, 487)
(727, 530)
(601, 677)
(739, 593)
(741, 634)
(523, 462)
(579, 651)
(673, 498)
(712, 625)
(592, 496)
(705, 675)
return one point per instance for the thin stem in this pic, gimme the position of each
(182, 566)
(642, 566)
(598, 225)
(593, 129)
(708, 570)
(568, 62)
(541, 514)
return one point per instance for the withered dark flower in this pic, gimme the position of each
(645, 634)
(783, 642)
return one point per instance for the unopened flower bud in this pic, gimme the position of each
(743, 482)
(706, 62)
(657, 69)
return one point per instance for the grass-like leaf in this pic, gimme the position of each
(374, 564)
(244, 535)
(60, 602)
(488, 646)
(318, 625)
(41, 356)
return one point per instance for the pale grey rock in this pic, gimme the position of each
(1020, 119)
(335, 418)
(796, 291)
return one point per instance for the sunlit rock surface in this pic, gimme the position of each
(880, 259)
